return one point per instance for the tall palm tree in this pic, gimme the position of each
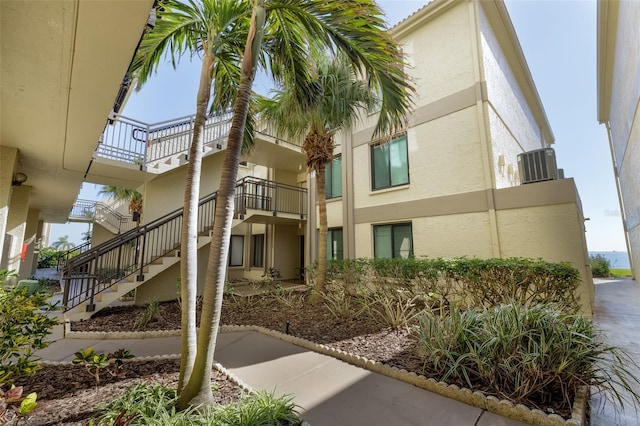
(278, 36)
(213, 30)
(62, 243)
(338, 98)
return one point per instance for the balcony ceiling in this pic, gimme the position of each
(62, 63)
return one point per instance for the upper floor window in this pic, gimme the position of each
(333, 178)
(390, 163)
(393, 241)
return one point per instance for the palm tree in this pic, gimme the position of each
(338, 97)
(62, 243)
(278, 36)
(215, 30)
(131, 196)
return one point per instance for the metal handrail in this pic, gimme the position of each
(142, 144)
(63, 257)
(99, 268)
(99, 212)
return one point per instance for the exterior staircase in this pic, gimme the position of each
(97, 277)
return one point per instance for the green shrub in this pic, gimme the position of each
(48, 257)
(532, 355)
(600, 266)
(24, 325)
(155, 405)
(463, 281)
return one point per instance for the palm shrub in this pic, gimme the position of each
(536, 355)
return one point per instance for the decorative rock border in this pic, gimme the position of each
(477, 399)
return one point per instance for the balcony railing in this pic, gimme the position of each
(101, 213)
(127, 254)
(141, 144)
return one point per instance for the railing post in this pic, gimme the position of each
(93, 278)
(140, 255)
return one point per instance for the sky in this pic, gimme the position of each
(558, 39)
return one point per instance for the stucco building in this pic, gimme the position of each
(618, 103)
(448, 186)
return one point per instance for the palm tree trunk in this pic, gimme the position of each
(321, 276)
(198, 389)
(189, 231)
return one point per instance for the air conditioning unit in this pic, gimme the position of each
(537, 166)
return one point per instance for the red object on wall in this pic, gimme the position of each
(23, 253)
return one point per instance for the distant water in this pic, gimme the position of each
(617, 259)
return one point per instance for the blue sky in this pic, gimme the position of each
(559, 41)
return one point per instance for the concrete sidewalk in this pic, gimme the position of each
(617, 315)
(329, 392)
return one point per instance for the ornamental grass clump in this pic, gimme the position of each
(154, 405)
(538, 356)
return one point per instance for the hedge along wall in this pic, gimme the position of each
(463, 281)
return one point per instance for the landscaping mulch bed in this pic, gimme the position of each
(362, 335)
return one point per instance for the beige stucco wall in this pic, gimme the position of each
(444, 158)
(100, 234)
(512, 124)
(440, 54)
(16, 226)
(554, 233)
(286, 256)
(624, 119)
(8, 162)
(28, 265)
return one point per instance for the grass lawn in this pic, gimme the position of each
(620, 272)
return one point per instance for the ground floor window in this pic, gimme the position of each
(393, 240)
(257, 250)
(334, 244)
(236, 250)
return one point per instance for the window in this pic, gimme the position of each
(333, 178)
(334, 244)
(390, 164)
(236, 250)
(393, 241)
(257, 250)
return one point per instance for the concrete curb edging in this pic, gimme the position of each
(475, 398)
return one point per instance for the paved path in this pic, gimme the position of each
(330, 392)
(617, 313)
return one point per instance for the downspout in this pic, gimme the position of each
(616, 177)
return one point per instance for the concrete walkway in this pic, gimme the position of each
(329, 392)
(617, 313)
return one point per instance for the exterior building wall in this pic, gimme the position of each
(29, 263)
(8, 161)
(16, 226)
(619, 100)
(513, 127)
(286, 250)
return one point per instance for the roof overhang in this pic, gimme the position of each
(63, 62)
(607, 34)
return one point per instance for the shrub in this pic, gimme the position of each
(48, 257)
(600, 266)
(469, 282)
(155, 405)
(534, 355)
(24, 325)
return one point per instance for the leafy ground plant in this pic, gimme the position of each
(95, 363)
(155, 405)
(531, 355)
(14, 405)
(24, 326)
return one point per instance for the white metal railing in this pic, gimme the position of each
(135, 142)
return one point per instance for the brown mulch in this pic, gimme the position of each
(363, 335)
(67, 394)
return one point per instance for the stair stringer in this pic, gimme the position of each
(122, 287)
